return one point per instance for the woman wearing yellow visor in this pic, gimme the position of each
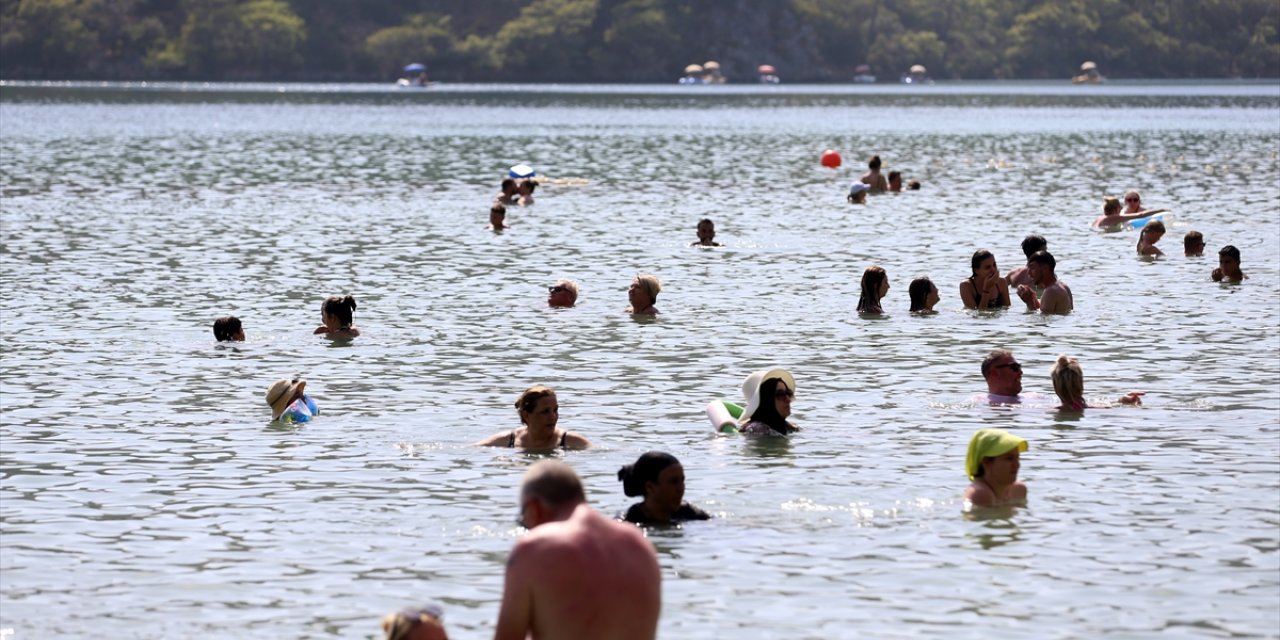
(992, 465)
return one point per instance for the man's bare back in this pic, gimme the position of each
(578, 574)
(1057, 299)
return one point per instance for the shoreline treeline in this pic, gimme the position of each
(633, 40)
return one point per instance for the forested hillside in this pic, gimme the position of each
(633, 40)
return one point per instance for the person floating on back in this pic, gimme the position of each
(992, 464)
(1228, 266)
(642, 293)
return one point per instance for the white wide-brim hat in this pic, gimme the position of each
(751, 387)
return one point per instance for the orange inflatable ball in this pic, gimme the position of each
(831, 159)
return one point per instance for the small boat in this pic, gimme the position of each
(768, 75)
(1088, 74)
(862, 74)
(917, 75)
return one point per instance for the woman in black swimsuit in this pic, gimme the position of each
(539, 411)
(659, 477)
(985, 289)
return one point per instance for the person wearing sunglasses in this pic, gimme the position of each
(769, 393)
(562, 294)
(576, 573)
(1003, 374)
(1133, 205)
(1113, 218)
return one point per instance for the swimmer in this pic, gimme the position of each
(509, 192)
(562, 294)
(1228, 266)
(992, 463)
(288, 402)
(875, 284)
(1068, 383)
(1148, 237)
(1030, 245)
(539, 412)
(659, 478)
(525, 190)
(895, 181)
(857, 193)
(1003, 374)
(985, 289)
(498, 217)
(1133, 205)
(1056, 297)
(415, 624)
(914, 185)
(872, 178)
(1112, 216)
(924, 294)
(769, 393)
(335, 316)
(228, 329)
(642, 293)
(576, 573)
(706, 234)
(1193, 244)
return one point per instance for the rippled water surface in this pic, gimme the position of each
(145, 495)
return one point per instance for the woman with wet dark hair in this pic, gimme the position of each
(228, 329)
(336, 314)
(659, 477)
(985, 289)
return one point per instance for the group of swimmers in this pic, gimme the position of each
(511, 192)
(875, 182)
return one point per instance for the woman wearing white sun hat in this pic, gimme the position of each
(769, 393)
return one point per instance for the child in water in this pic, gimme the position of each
(288, 402)
(1228, 265)
(706, 234)
(335, 314)
(228, 329)
(1147, 239)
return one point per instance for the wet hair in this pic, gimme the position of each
(767, 411)
(339, 307)
(498, 208)
(976, 261)
(552, 482)
(508, 184)
(914, 185)
(644, 470)
(1193, 239)
(1110, 203)
(1068, 380)
(652, 285)
(398, 625)
(872, 278)
(874, 163)
(225, 327)
(530, 183)
(1033, 243)
(1043, 257)
(528, 401)
(990, 360)
(919, 290)
(1230, 251)
(1154, 225)
(706, 221)
(895, 175)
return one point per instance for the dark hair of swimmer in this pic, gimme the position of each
(767, 412)
(976, 261)
(1230, 251)
(1193, 239)
(1154, 225)
(874, 163)
(705, 221)
(340, 307)
(644, 470)
(990, 360)
(1110, 203)
(225, 327)
(529, 183)
(528, 401)
(895, 175)
(498, 209)
(1045, 258)
(914, 185)
(508, 185)
(1033, 243)
(872, 278)
(919, 291)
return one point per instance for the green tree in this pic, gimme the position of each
(1052, 39)
(424, 38)
(544, 42)
(47, 36)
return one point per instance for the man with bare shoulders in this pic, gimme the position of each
(1022, 275)
(576, 574)
(1056, 297)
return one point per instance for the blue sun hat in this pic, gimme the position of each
(521, 171)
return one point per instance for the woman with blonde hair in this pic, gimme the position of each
(1149, 236)
(1068, 383)
(1113, 219)
(642, 293)
(539, 412)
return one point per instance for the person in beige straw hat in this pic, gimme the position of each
(288, 402)
(769, 393)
